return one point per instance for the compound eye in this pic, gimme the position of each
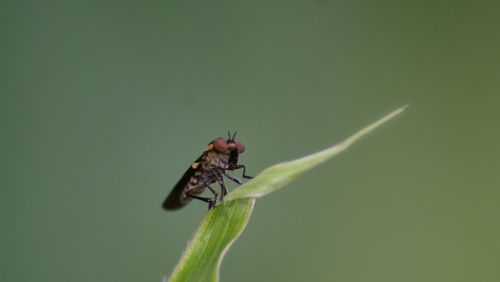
(239, 146)
(220, 145)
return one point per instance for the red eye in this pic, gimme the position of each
(220, 145)
(239, 146)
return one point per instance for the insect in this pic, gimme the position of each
(219, 156)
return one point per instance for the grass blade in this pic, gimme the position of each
(277, 176)
(220, 228)
(223, 224)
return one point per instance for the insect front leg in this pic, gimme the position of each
(244, 171)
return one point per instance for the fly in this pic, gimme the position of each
(219, 156)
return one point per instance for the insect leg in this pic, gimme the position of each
(244, 171)
(213, 192)
(233, 178)
(211, 202)
(223, 187)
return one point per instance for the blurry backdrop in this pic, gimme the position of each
(104, 104)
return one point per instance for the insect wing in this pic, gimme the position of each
(174, 200)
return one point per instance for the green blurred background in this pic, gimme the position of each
(103, 105)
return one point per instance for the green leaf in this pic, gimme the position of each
(223, 224)
(220, 228)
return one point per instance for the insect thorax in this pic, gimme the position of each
(216, 161)
(205, 175)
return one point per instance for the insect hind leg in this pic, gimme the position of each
(212, 190)
(211, 202)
